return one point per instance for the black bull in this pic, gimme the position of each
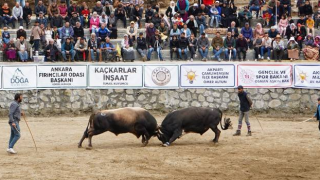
(193, 119)
(137, 121)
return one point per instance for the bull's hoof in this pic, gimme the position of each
(166, 144)
(79, 146)
(89, 148)
(215, 142)
(144, 144)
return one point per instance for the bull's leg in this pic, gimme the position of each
(141, 130)
(216, 132)
(92, 132)
(81, 140)
(176, 134)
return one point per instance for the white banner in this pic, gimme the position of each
(111, 76)
(0, 77)
(307, 76)
(207, 75)
(62, 76)
(19, 77)
(161, 76)
(264, 75)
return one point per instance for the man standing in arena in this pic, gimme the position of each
(14, 118)
(245, 105)
(317, 114)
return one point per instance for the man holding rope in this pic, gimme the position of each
(245, 105)
(14, 119)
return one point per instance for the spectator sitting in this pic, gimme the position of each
(308, 11)
(130, 10)
(74, 19)
(48, 34)
(203, 45)
(127, 51)
(174, 47)
(94, 47)
(120, 13)
(42, 20)
(85, 17)
(74, 8)
(137, 15)
(108, 9)
(225, 14)
(186, 31)
(40, 8)
(56, 20)
(293, 50)
(273, 32)
(175, 31)
(6, 14)
(302, 20)
(215, 15)
(21, 32)
(257, 44)
(172, 9)
(183, 7)
(266, 46)
(149, 13)
(108, 48)
(234, 30)
(132, 32)
(301, 34)
(247, 33)
(217, 46)
(230, 47)
(266, 18)
(150, 31)
(156, 20)
(81, 48)
(203, 10)
(55, 33)
(258, 31)
(192, 46)
(286, 4)
(317, 18)
(103, 32)
(112, 26)
(51, 51)
(142, 46)
(52, 10)
(301, 8)
(163, 30)
(192, 11)
(5, 35)
(192, 25)
(278, 48)
(78, 32)
(254, 6)
(201, 21)
(11, 51)
(155, 45)
(66, 31)
(94, 22)
(27, 13)
(98, 8)
(183, 46)
(311, 51)
(245, 15)
(283, 23)
(63, 10)
(310, 25)
(290, 20)
(22, 47)
(291, 31)
(242, 47)
(67, 49)
(17, 14)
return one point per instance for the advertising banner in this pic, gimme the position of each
(161, 76)
(307, 76)
(0, 77)
(207, 75)
(19, 77)
(62, 76)
(264, 75)
(112, 76)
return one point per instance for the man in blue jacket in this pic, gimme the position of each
(245, 105)
(317, 114)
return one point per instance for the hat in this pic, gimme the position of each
(132, 22)
(217, 2)
(319, 99)
(292, 39)
(278, 36)
(299, 24)
(141, 33)
(126, 35)
(21, 27)
(203, 34)
(246, 23)
(40, 12)
(273, 27)
(240, 87)
(195, 5)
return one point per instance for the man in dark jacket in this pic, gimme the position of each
(120, 13)
(174, 47)
(51, 51)
(137, 15)
(21, 32)
(14, 119)
(27, 13)
(149, 13)
(40, 8)
(78, 32)
(242, 47)
(74, 19)
(183, 46)
(73, 9)
(142, 46)
(286, 4)
(194, 10)
(155, 45)
(245, 105)
(56, 20)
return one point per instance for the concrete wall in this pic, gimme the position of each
(60, 102)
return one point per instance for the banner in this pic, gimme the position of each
(0, 77)
(62, 76)
(207, 75)
(161, 76)
(307, 76)
(19, 77)
(264, 75)
(111, 76)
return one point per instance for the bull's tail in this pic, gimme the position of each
(227, 121)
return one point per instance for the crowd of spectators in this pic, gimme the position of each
(59, 30)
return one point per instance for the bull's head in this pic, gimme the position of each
(162, 136)
(227, 123)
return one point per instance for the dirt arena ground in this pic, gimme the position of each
(286, 149)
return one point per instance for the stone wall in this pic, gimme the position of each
(61, 102)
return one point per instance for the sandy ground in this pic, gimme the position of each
(284, 150)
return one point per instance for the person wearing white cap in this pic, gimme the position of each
(193, 10)
(17, 14)
(127, 51)
(293, 49)
(21, 32)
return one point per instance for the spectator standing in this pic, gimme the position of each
(36, 33)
